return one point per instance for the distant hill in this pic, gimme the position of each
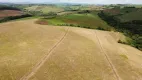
(5, 13)
(5, 3)
(3, 7)
(45, 8)
(134, 15)
(125, 14)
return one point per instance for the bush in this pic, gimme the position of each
(100, 28)
(119, 41)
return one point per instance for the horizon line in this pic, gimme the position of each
(70, 3)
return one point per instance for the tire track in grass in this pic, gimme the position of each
(10, 71)
(108, 59)
(43, 60)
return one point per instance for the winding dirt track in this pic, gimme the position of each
(107, 58)
(43, 60)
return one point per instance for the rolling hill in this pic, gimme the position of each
(6, 11)
(88, 20)
(45, 8)
(126, 20)
(30, 51)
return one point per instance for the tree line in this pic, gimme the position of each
(14, 17)
(8, 8)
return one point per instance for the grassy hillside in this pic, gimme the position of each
(31, 8)
(11, 13)
(125, 14)
(45, 8)
(89, 20)
(134, 15)
(127, 20)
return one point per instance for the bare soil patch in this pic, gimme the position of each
(7, 13)
(42, 22)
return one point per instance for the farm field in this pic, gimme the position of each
(30, 51)
(90, 20)
(7, 13)
(22, 41)
(45, 9)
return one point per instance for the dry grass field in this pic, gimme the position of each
(31, 51)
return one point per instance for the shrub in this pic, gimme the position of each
(100, 28)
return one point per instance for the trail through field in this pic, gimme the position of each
(43, 60)
(108, 59)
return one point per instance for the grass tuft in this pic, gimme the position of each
(124, 56)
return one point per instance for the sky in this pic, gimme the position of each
(80, 1)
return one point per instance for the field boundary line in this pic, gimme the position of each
(43, 60)
(108, 59)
